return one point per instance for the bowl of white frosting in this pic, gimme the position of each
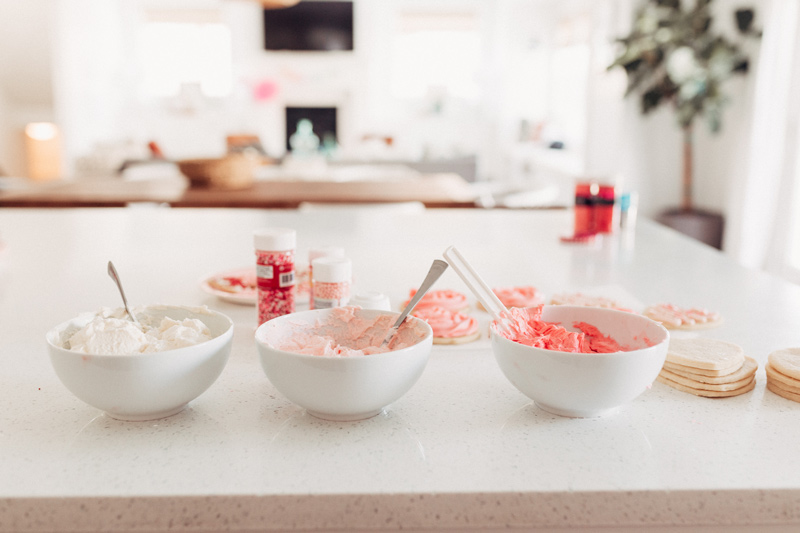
(142, 371)
(332, 362)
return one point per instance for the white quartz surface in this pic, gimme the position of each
(463, 450)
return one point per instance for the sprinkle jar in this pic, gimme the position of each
(275, 249)
(316, 253)
(331, 282)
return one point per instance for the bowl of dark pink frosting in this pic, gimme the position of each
(579, 361)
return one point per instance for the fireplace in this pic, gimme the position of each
(323, 120)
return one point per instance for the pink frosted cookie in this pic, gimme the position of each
(449, 327)
(517, 297)
(241, 281)
(447, 299)
(586, 300)
(674, 317)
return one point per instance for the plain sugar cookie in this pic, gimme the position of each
(783, 393)
(682, 369)
(748, 369)
(709, 354)
(786, 382)
(720, 387)
(707, 393)
(786, 361)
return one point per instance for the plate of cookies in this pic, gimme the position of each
(446, 311)
(239, 285)
(236, 286)
(672, 316)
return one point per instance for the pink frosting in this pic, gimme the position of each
(451, 300)
(675, 316)
(519, 296)
(525, 326)
(446, 323)
(344, 334)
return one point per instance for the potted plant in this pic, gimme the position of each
(673, 57)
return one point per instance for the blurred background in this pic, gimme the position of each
(521, 98)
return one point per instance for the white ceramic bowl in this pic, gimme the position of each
(143, 386)
(340, 388)
(586, 385)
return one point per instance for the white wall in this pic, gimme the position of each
(5, 148)
(653, 159)
(97, 98)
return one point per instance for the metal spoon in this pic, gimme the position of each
(436, 270)
(113, 273)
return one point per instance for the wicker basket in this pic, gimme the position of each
(229, 172)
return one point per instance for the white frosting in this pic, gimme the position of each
(109, 332)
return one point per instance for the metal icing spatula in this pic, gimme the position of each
(436, 270)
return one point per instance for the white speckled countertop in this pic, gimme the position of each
(463, 450)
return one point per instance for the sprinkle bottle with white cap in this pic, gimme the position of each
(275, 249)
(331, 281)
(316, 253)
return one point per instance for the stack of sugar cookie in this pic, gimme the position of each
(783, 373)
(708, 367)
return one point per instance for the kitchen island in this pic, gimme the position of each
(463, 450)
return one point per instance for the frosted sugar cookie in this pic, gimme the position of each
(449, 327)
(786, 361)
(517, 297)
(234, 282)
(706, 392)
(706, 354)
(674, 317)
(443, 298)
(586, 300)
(747, 370)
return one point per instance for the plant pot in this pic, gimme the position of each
(705, 226)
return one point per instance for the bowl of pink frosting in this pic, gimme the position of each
(332, 362)
(579, 361)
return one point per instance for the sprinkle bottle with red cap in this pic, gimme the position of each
(275, 277)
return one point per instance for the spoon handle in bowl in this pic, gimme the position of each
(112, 272)
(437, 268)
(479, 288)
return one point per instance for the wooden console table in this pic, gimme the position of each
(433, 190)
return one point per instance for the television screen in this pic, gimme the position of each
(309, 25)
